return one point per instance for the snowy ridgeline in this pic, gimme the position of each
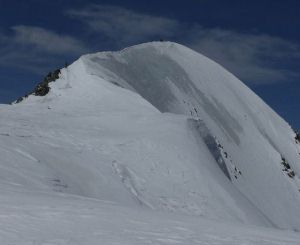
(155, 144)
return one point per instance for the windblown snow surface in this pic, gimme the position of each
(155, 144)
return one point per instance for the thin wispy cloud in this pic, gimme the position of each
(47, 41)
(123, 25)
(37, 49)
(255, 58)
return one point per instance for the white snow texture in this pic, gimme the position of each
(155, 144)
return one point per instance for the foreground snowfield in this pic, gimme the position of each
(96, 161)
(59, 219)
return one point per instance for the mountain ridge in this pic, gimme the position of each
(160, 126)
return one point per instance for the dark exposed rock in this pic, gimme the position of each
(291, 174)
(42, 88)
(21, 98)
(285, 163)
(287, 168)
(297, 137)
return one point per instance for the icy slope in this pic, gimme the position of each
(100, 134)
(91, 138)
(260, 150)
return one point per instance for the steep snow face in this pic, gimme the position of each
(252, 137)
(216, 151)
(91, 138)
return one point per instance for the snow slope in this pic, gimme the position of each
(141, 145)
(176, 79)
(33, 218)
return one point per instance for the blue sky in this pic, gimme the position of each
(258, 41)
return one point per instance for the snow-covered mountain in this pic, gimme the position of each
(153, 135)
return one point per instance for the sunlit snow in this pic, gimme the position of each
(155, 144)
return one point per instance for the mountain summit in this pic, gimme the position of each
(157, 128)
